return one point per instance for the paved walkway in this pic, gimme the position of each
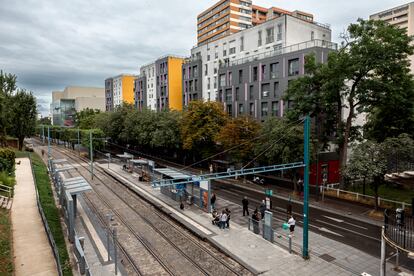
(32, 252)
(255, 252)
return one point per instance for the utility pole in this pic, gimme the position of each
(43, 134)
(78, 141)
(91, 152)
(305, 252)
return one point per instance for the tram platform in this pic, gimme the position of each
(251, 250)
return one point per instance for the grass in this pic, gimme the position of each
(6, 256)
(51, 211)
(388, 191)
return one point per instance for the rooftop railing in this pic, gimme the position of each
(280, 51)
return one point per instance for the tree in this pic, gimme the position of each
(85, 118)
(363, 73)
(7, 88)
(116, 122)
(44, 121)
(201, 123)
(23, 115)
(239, 133)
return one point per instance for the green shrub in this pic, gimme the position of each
(7, 157)
(5, 179)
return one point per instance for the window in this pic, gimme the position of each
(274, 70)
(264, 109)
(312, 35)
(251, 92)
(230, 79)
(259, 39)
(270, 35)
(264, 73)
(205, 69)
(255, 73)
(222, 80)
(241, 44)
(224, 53)
(241, 109)
(195, 85)
(275, 109)
(293, 67)
(208, 57)
(237, 93)
(279, 32)
(208, 83)
(232, 51)
(265, 90)
(276, 90)
(228, 95)
(251, 110)
(215, 82)
(216, 55)
(229, 109)
(195, 71)
(240, 76)
(215, 70)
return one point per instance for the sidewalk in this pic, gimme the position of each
(328, 257)
(31, 249)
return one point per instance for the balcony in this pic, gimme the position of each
(284, 50)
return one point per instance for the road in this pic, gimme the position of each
(356, 233)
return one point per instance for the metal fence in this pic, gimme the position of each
(399, 228)
(46, 225)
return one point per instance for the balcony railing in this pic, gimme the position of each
(284, 50)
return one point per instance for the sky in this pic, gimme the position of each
(51, 44)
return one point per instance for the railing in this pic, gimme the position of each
(365, 199)
(400, 230)
(284, 50)
(6, 189)
(80, 256)
(46, 225)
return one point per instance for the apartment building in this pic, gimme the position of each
(159, 85)
(223, 18)
(119, 90)
(74, 99)
(401, 16)
(255, 86)
(273, 35)
(261, 14)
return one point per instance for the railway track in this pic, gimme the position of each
(190, 255)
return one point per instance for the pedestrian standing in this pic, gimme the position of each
(228, 212)
(245, 203)
(262, 209)
(223, 219)
(213, 201)
(291, 223)
(255, 221)
(211, 168)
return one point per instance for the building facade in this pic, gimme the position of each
(74, 99)
(261, 15)
(401, 16)
(119, 90)
(159, 86)
(223, 18)
(255, 86)
(192, 81)
(273, 35)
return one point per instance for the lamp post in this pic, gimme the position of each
(305, 251)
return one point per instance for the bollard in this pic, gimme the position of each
(290, 244)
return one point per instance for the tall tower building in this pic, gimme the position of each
(401, 16)
(222, 19)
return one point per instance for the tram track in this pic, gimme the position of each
(189, 248)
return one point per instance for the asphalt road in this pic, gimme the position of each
(356, 233)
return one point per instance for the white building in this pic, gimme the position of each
(271, 35)
(149, 72)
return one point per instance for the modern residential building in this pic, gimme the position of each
(255, 86)
(74, 99)
(255, 43)
(261, 14)
(118, 90)
(160, 85)
(401, 16)
(223, 18)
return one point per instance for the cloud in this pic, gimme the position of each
(53, 44)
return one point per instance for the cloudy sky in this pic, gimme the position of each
(50, 44)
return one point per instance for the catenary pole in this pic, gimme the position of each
(305, 252)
